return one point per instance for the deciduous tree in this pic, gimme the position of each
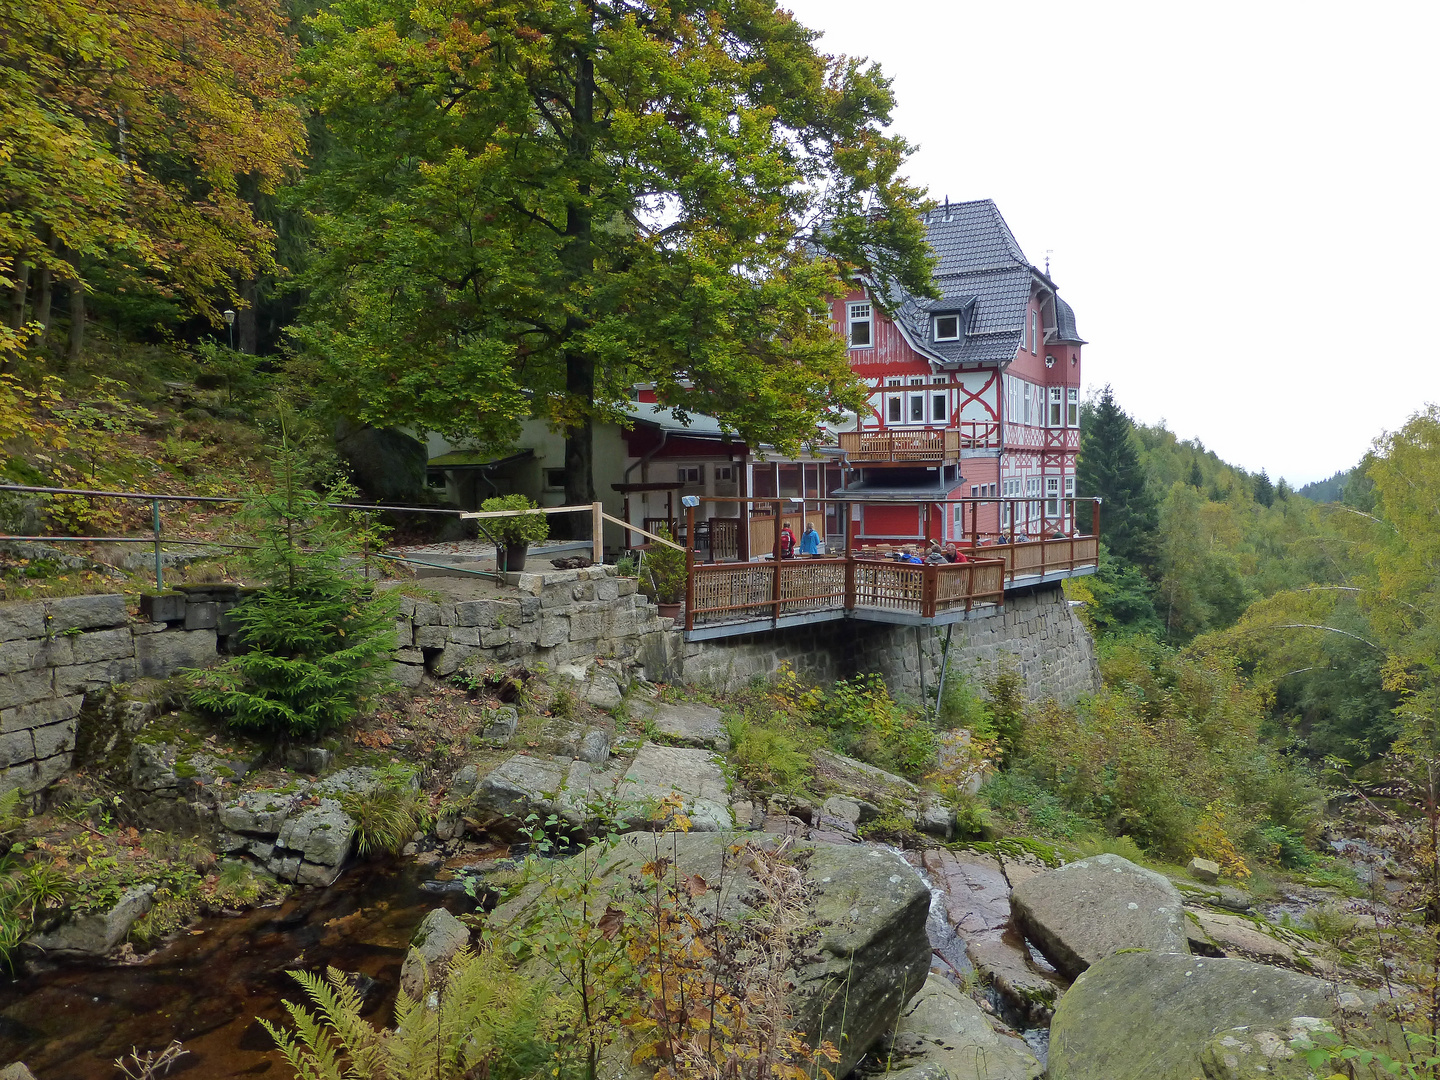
(534, 205)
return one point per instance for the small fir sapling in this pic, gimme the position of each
(317, 635)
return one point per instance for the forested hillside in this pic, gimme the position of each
(1322, 604)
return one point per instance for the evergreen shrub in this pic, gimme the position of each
(318, 637)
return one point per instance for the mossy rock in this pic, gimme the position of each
(1150, 1016)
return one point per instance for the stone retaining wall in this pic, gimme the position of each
(559, 618)
(1037, 634)
(54, 652)
(588, 625)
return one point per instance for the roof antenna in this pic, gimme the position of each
(1048, 253)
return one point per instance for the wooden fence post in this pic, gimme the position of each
(775, 585)
(690, 567)
(597, 533)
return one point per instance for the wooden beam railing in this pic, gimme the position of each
(745, 592)
(922, 444)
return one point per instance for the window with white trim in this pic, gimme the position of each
(1070, 490)
(1052, 496)
(917, 408)
(1072, 407)
(859, 334)
(937, 408)
(892, 409)
(691, 474)
(1034, 332)
(1056, 406)
(947, 327)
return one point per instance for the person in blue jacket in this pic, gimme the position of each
(810, 541)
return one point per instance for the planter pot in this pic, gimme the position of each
(669, 611)
(513, 556)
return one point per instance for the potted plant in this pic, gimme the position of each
(514, 535)
(665, 567)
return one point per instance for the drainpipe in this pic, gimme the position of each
(645, 460)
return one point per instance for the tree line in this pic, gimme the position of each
(456, 215)
(1327, 607)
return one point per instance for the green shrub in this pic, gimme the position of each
(664, 566)
(961, 707)
(525, 529)
(864, 721)
(318, 637)
(766, 758)
(1285, 846)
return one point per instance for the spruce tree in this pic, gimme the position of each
(1109, 466)
(1197, 479)
(1264, 489)
(316, 634)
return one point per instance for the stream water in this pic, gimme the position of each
(209, 988)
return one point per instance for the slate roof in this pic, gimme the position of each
(984, 277)
(1065, 323)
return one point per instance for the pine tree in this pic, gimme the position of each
(1264, 489)
(1197, 479)
(1109, 466)
(317, 635)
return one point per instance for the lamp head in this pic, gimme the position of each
(229, 316)
(689, 500)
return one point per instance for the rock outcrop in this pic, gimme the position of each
(96, 933)
(436, 941)
(870, 909)
(1087, 910)
(943, 1035)
(1151, 1016)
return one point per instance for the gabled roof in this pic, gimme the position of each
(983, 274)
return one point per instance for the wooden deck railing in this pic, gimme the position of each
(1034, 558)
(745, 592)
(900, 446)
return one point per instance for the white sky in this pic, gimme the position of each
(1240, 197)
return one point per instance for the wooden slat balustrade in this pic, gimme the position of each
(900, 446)
(745, 592)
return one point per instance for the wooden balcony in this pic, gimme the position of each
(774, 594)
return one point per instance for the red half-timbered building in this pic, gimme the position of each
(972, 395)
(975, 395)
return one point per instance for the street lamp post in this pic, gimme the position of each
(230, 324)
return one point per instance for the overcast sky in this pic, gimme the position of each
(1240, 198)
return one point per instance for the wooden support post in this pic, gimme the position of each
(690, 568)
(775, 585)
(1095, 517)
(597, 533)
(925, 525)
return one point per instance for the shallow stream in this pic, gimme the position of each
(209, 988)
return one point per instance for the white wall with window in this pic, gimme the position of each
(859, 326)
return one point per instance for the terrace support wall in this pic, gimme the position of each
(1036, 633)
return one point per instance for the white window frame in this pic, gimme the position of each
(1072, 406)
(939, 406)
(724, 472)
(935, 328)
(894, 409)
(690, 474)
(913, 399)
(1055, 416)
(1034, 332)
(1052, 496)
(856, 314)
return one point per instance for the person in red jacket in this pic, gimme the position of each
(787, 542)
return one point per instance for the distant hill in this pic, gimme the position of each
(1330, 490)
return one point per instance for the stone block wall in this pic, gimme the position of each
(1037, 634)
(55, 652)
(557, 618)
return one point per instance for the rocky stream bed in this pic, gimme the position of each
(963, 961)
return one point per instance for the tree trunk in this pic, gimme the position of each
(44, 295)
(17, 299)
(247, 335)
(76, 342)
(578, 259)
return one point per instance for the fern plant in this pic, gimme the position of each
(318, 636)
(485, 1021)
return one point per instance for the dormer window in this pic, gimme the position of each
(947, 327)
(859, 327)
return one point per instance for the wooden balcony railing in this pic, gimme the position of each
(1032, 558)
(921, 444)
(744, 592)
